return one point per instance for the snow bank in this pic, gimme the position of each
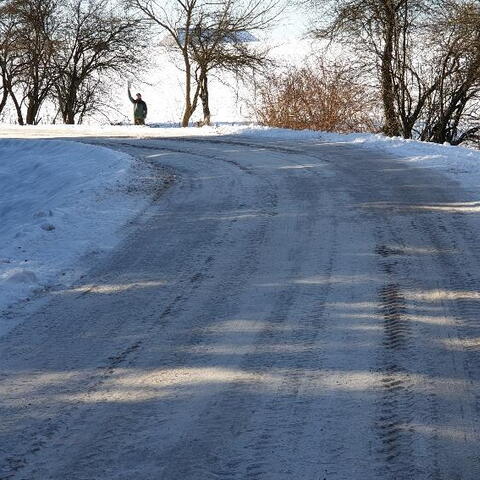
(458, 162)
(74, 131)
(152, 130)
(59, 201)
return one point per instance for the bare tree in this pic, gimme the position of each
(207, 36)
(96, 39)
(451, 113)
(8, 52)
(427, 54)
(176, 18)
(3, 89)
(35, 27)
(380, 31)
(12, 64)
(222, 40)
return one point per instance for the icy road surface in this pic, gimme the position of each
(286, 310)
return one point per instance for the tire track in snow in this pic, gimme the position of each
(434, 282)
(455, 292)
(397, 402)
(249, 428)
(239, 433)
(235, 437)
(235, 282)
(462, 294)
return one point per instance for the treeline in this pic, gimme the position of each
(68, 51)
(418, 61)
(63, 51)
(408, 68)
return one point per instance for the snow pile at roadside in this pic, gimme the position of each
(131, 131)
(463, 164)
(455, 161)
(154, 130)
(459, 163)
(59, 201)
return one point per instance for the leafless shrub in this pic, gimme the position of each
(317, 97)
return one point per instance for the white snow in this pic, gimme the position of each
(459, 163)
(59, 202)
(462, 163)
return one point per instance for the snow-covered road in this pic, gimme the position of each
(287, 310)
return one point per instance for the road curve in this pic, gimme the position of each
(286, 310)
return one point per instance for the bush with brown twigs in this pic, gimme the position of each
(317, 97)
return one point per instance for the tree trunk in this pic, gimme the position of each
(187, 114)
(190, 104)
(188, 111)
(205, 99)
(70, 119)
(32, 111)
(3, 100)
(391, 127)
(70, 100)
(18, 108)
(68, 112)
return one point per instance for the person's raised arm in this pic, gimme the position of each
(129, 94)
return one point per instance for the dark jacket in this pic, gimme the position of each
(139, 108)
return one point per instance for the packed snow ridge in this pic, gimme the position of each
(59, 201)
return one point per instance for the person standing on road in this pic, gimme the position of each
(139, 108)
